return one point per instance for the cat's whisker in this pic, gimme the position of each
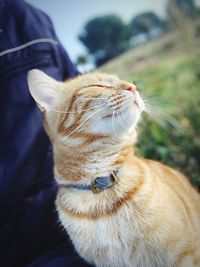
(119, 107)
(113, 125)
(163, 118)
(157, 117)
(122, 108)
(118, 117)
(125, 121)
(90, 116)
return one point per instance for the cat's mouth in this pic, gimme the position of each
(138, 102)
(113, 114)
(138, 106)
(108, 116)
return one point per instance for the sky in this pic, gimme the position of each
(70, 16)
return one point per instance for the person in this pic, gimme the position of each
(30, 234)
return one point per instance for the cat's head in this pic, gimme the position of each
(89, 105)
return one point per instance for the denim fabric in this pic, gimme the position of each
(29, 231)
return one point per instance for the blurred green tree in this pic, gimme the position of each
(183, 18)
(146, 22)
(105, 37)
(185, 7)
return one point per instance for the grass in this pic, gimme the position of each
(168, 76)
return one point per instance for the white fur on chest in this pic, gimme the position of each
(98, 241)
(113, 241)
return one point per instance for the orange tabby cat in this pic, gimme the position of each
(119, 210)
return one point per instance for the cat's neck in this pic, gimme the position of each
(84, 166)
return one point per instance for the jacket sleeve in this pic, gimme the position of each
(29, 227)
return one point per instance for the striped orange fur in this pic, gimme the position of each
(151, 216)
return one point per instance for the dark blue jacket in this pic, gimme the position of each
(30, 234)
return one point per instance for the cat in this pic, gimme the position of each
(118, 209)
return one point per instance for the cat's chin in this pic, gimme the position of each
(120, 126)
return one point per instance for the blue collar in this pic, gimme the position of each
(98, 185)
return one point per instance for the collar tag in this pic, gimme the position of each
(102, 183)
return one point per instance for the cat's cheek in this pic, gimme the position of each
(103, 126)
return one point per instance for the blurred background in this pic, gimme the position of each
(155, 44)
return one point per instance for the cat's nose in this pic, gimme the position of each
(131, 88)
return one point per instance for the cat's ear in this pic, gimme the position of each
(43, 89)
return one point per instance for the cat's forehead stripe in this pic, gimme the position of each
(67, 130)
(64, 116)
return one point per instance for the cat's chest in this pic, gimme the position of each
(110, 231)
(117, 239)
(110, 240)
(103, 240)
